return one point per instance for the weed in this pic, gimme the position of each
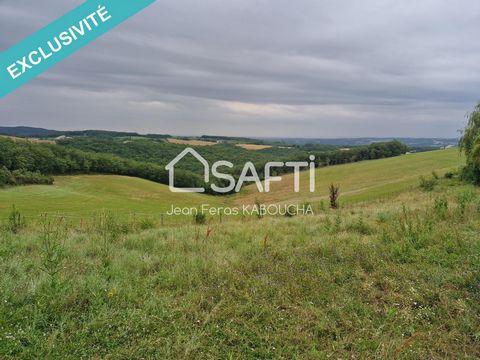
(337, 225)
(15, 220)
(464, 198)
(441, 207)
(146, 224)
(52, 246)
(414, 228)
(360, 226)
(108, 230)
(334, 194)
(321, 205)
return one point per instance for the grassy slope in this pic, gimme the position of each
(369, 281)
(360, 181)
(86, 194)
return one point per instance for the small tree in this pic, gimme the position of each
(334, 191)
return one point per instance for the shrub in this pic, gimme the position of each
(146, 224)
(427, 184)
(6, 177)
(449, 175)
(15, 220)
(200, 218)
(25, 177)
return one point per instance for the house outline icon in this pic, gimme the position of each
(171, 171)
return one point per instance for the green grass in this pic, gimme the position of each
(387, 279)
(83, 195)
(362, 181)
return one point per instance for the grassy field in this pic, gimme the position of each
(362, 181)
(82, 195)
(387, 279)
(192, 142)
(254, 147)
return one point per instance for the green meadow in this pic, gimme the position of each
(386, 279)
(363, 181)
(86, 194)
(392, 274)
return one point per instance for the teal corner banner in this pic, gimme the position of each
(50, 45)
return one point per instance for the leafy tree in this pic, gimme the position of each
(470, 145)
(6, 177)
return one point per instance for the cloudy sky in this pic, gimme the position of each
(304, 68)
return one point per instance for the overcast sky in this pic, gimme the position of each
(303, 68)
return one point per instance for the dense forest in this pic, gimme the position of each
(162, 152)
(25, 162)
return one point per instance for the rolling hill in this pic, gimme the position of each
(360, 181)
(83, 195)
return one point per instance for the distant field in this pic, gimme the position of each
(86, 194)
(254, 147)
(192, 142)
(360, 181)
(33, 140)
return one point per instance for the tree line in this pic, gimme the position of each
(26, 162)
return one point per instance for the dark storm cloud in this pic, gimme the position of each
(264, 67)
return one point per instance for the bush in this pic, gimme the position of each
(449, 175)
(146, 224)
(15, 220)
(25, 177)
(427, 184)
(6, 177)
(200, 218)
